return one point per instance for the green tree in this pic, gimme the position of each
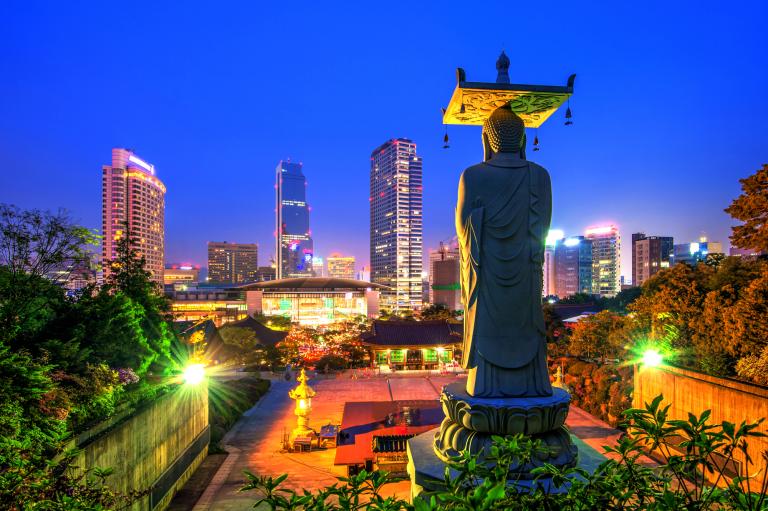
(242, 342)
(556, 332)
(33, 244)
(128, 276)
(600, 335)
(751, 208)
(438, 311)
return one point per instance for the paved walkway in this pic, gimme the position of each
(254, 443)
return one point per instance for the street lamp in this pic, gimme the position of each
(194, 374)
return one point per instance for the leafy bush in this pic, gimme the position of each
(621, 483)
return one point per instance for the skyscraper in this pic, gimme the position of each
(341, 267)
(293, 238)
(396, 224)
(606, 260)
(233, 263)
(554, 237)
(649, 255)
(444, 277)
(573, 266)
(133, 198)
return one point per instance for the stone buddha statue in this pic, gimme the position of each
(502, 219)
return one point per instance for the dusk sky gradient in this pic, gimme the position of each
(670, 108)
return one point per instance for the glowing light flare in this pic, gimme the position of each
(572, 242)
(194, 374)
(553, 236)
(652, 358)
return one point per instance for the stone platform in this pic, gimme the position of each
(470, 424)
(427, 471)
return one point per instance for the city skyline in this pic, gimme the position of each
(641, 115)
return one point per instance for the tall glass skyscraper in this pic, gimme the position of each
(293, 238)
(572, 266)
(396, 224)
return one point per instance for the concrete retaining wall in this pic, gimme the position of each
(689, 391)
(157, 449)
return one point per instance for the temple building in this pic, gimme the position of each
(413, 344)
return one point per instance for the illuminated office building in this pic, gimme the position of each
(692, 253)
(649, 255)
(133, 198)
(606, 260)
(232, 263)
(294, 248)
(183, 275)
(318, 267)
(444, 278)
(396, 224)
(341, 267)
(572, 266)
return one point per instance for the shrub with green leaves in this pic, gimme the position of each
(688, 477)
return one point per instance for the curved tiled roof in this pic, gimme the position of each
(264, 335)
(312, 283)
(413, 333)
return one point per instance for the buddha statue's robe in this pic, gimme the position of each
(502, 219)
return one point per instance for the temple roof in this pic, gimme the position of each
(413, 333)
(264, 335)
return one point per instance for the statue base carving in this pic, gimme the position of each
(469, 424)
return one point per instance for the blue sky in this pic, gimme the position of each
(670, 108)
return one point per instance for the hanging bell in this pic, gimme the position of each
(445, 140)
(536, 143)
(568, 116)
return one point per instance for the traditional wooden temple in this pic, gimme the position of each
(413, 344)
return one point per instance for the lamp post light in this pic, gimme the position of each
(303, 395)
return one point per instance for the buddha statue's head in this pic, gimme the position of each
(503, 132)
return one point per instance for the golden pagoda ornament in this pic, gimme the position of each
(303, 395)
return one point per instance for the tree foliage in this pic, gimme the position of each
(67, 361)
(751, 208)
(600, 335)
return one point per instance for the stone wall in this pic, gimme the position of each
(689, 391)
(157, 449)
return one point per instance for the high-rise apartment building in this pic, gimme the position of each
(294, 248)
(573, 266)
(396, 224)
(341, 267)
(444, 277)
(133, 203)
(233, 263)
(692, 253)
(606, 260)
(649, 255)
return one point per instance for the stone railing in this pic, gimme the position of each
(689, 391)
(155, 450)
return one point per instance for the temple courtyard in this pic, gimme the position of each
(254, 443)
